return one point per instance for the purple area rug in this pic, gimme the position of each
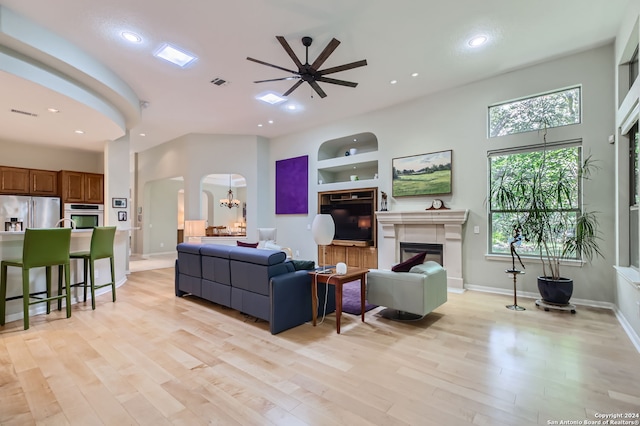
(351, 299)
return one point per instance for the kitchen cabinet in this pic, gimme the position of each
(14, 180)
(94, 188)
(43, 182)
(80, 187)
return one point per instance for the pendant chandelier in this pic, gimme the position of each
(229, 201)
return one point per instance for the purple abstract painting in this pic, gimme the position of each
(292, 185)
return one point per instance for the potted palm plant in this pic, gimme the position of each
(539, 192)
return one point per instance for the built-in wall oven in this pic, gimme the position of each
(84, 216)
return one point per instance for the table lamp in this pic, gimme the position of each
(323, 229)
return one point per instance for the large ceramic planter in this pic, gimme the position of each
(557, 292)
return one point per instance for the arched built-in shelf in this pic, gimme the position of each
(335, 168)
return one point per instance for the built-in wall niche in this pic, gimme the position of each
(350, 161)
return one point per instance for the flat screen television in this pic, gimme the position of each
(354, 221)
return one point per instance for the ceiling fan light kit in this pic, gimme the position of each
(311, 73)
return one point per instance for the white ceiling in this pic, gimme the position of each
(396, 38)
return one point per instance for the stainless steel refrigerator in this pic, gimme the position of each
(19, 212)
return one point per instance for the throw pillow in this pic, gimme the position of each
(243, 244)
(299, 265)
(410, 263)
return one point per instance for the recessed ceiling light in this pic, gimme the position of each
(143, 134)
(260, 125)
(80, 132)
(393, 81)
(270, 121)
(53, 110)
(478, 41)
(175, 55)
(132, 37)
(291, 107)
(415, 74)
(271, 98)
(355, 140)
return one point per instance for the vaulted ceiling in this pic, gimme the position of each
(100, 78)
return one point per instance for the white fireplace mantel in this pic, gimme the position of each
(428, 226)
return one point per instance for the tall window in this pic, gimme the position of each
(553, 109)
(520, 171)
(634, 196)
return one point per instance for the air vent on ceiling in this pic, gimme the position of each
(17, 111)
(220, 81)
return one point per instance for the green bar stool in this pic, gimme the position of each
(101, 248)
(42, 248)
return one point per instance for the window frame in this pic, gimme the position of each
(633, 67)
(634, 196)
(579, 203)
(532, 97)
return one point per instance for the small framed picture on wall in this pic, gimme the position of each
(122, 216)
(119, 203)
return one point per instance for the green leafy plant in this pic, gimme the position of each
(538, 192)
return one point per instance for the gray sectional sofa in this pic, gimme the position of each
(260, 283)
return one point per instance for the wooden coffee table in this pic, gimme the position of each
(337, 281)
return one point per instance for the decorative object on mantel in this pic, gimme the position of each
(437, 204)
(383, 203)
(229, 201)
(424, 174)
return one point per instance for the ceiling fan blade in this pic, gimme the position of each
(334, 81)
(278, 79)
(271, 65)
(294, 87)
(325, 54)
(289, 51)
(317, 88)
(343, 67)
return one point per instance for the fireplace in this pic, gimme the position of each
(431, 227)
(408, 250)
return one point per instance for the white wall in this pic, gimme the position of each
(116, 183)
(457, 119)
(31, 156)
(193, 157)
(627, 278)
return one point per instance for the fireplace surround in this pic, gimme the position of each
(432, 227)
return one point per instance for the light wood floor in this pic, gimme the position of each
(152, 358)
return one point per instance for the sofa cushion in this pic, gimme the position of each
(189, 259)
(410, 263)
(243, 244)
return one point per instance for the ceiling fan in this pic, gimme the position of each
(310, 73)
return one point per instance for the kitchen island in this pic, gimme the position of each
(11, 243)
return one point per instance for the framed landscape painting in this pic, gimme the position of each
(424, 174)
